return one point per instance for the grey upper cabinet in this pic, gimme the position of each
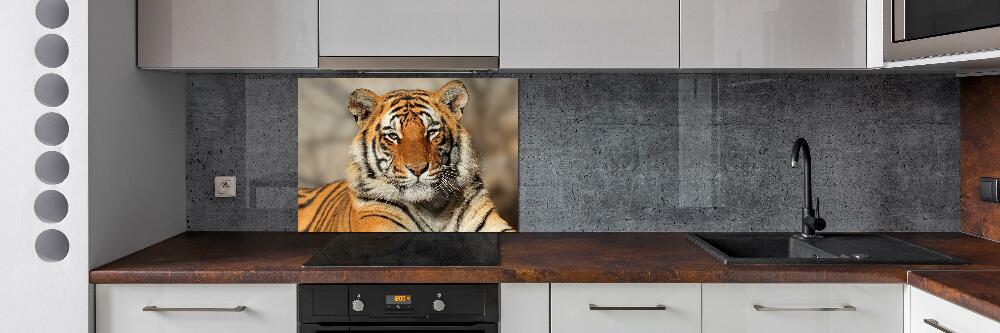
(407, 28)
(508, 34)
(775, 34)
(577, 34)
(191, 34)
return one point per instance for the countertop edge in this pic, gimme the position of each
(941, 283)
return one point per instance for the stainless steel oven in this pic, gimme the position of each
(387, 308)
(916, 29)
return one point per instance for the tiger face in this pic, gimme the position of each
(410, 146)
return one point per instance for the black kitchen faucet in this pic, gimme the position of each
(810, 221)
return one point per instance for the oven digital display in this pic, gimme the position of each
(398, 299)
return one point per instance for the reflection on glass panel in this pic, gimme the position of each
(928, 18)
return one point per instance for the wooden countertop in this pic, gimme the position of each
(268, 257)
(974, 290)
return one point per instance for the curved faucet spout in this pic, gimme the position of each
(807, 188)
(800, 144)
(810, 222)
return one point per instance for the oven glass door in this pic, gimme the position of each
(929, 18)
(476, 328)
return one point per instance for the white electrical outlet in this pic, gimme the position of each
(225, 187)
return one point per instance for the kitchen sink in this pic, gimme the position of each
(831, 248)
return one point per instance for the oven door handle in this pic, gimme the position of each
(313, 328)
(485, 328)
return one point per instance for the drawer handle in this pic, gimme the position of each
(935, 324)
(759, 307)
(657, 307)
(154, 308)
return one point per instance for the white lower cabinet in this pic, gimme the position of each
(569, 307)
(190, 308)
(930, 314)
(802, 308)
(625, 307)
(524, 308)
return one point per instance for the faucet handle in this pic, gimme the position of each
(818, 224)
(817, 206)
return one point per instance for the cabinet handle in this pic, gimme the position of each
(159, 309)
(935, 324)
(848, 307)
(595, 307)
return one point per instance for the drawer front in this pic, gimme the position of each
(405, 28)
(797, 308)
(946, 315)
(571, 310)
(269, 308)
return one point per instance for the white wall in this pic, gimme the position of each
(38, 295)
(124, 187)
(137, 185)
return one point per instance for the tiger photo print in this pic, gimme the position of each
(412, 168)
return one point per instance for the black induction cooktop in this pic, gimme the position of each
(408, 249)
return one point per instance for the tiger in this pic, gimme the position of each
(412, 168)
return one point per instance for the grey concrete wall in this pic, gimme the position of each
(640, 152)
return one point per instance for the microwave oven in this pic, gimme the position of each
(915, 29)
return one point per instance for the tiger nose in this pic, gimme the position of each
(417, 168)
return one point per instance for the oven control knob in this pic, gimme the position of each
(438, 305)
(358, 305)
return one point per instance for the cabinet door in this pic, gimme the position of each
(406, 28)
(930, 314)
(227, 33)
(773, 34)
(189, 308)
(524, 308)
(589, 34)
(802, 308)
(626, 307)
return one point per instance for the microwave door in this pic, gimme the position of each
(916, 19)
(915, 29)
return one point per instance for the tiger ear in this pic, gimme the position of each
(455, 96)
(362, 104)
